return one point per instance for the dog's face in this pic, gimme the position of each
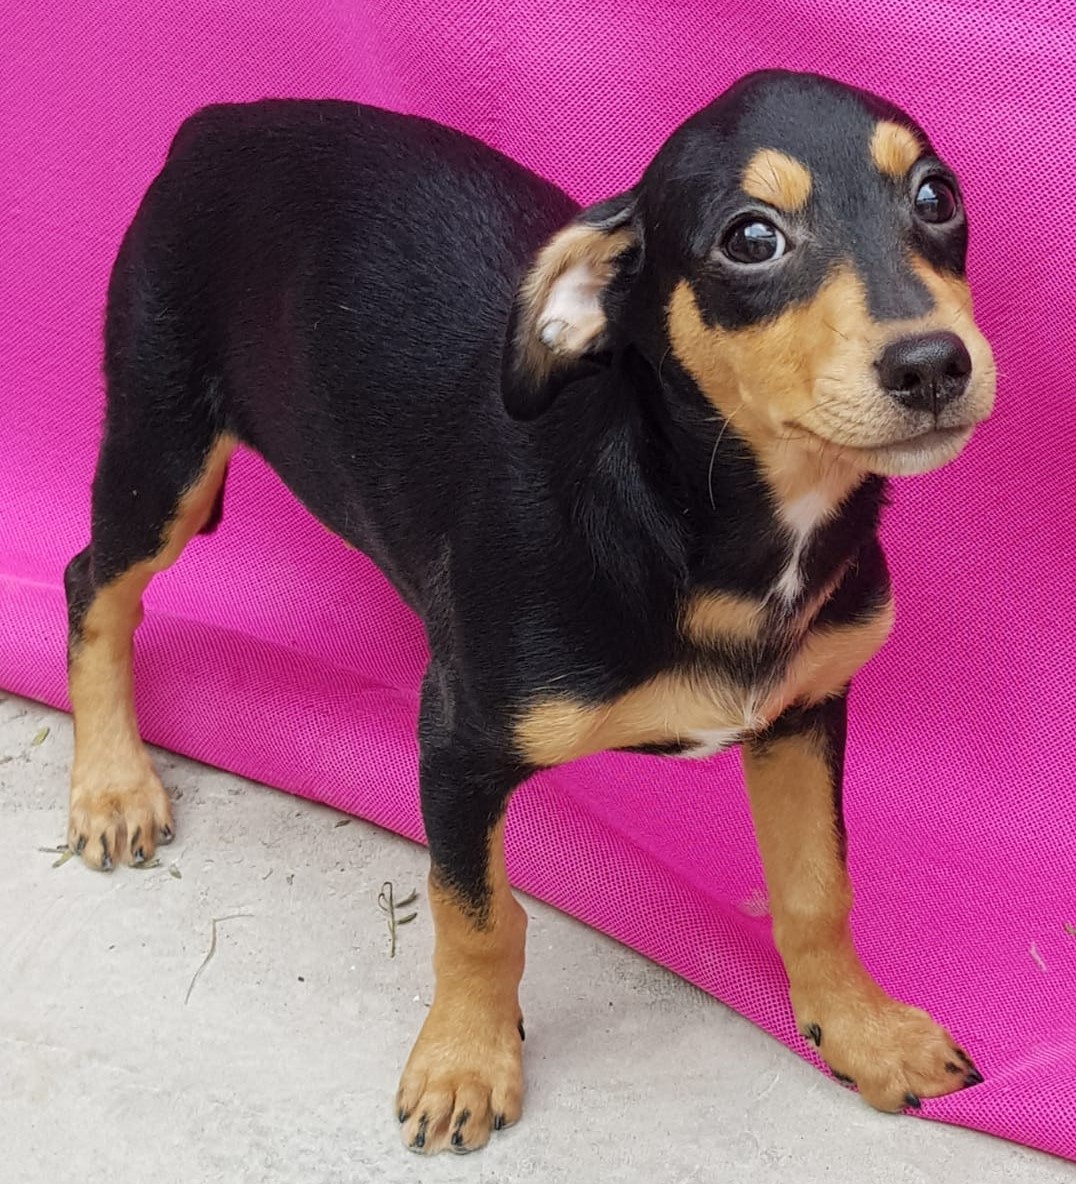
(799, 248)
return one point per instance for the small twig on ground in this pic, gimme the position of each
(212, 950)
(64, 852)
(40, 736)
(341, 822)
(388, 904)
(1036, 957)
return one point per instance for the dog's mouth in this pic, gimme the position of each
(907, 456)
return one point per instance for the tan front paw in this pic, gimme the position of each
(464, 1078)
(894, 1054)
(111, 818)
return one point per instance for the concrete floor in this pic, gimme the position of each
(283, 1063)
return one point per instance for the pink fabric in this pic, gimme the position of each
(273, 651)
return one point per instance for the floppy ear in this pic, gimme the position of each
(566, 304)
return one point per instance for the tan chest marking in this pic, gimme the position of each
(722, 616)
(693, 708)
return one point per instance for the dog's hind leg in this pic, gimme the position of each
(152, 492)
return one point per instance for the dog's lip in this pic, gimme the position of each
(932, 438)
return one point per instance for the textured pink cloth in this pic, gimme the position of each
(273, 651)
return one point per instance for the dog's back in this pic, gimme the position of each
(310, 272)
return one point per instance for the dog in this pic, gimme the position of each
(626, 463)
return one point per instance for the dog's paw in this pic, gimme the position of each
(464, 1079)
(111, 819)
(894, 1054)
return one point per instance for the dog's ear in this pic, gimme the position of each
(567, 304)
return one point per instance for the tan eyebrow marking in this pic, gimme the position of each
(894, 149)
(777, 179)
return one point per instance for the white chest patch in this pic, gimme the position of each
(709, 742)
(801, 518)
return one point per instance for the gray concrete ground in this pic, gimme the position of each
(281, 1065)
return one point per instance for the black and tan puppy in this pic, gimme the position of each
(626, 463)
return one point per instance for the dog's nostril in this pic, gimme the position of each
(925, 372)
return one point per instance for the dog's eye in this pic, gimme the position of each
(754, 241)
(935, 201)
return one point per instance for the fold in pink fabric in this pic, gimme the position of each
(273, 651)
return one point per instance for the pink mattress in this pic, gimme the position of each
(273, 651)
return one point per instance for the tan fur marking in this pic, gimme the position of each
(889, 1050)
(827, 659)
(894, 149)
(671, 707)
(777, 179)
(575, 246)
(676, 706)
(720, 616)
(114, 791)
(468, 1055)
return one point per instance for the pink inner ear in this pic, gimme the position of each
(274, 651)
(572, 318)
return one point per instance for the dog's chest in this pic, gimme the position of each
(737, 705)
(740, 663)
(706, 702)
(801, 519)
(717, 706)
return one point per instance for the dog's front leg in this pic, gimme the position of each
(464, 1077)
(895, 1054)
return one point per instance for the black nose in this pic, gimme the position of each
(925, 373)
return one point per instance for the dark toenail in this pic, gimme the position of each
(951, 1068)
(522, 1033)
(106, 859)
(457, 1139)
(166, 835)
(461, 1118)
(403, 1116)
(842, 1079)
(814, 1035)
(138, 855)
(80, 846)
(498, 1122)
(974, 1078)
(912, 1102)
(964, 1057)
(420, 1138)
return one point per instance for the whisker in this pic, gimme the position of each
(664, 356)
(713, 455)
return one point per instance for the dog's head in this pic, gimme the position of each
(798, 247)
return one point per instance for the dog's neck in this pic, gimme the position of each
(772, 518)
(703, 512)
(765, 497)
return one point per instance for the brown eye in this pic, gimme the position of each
(935, 201)
(754, 241)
